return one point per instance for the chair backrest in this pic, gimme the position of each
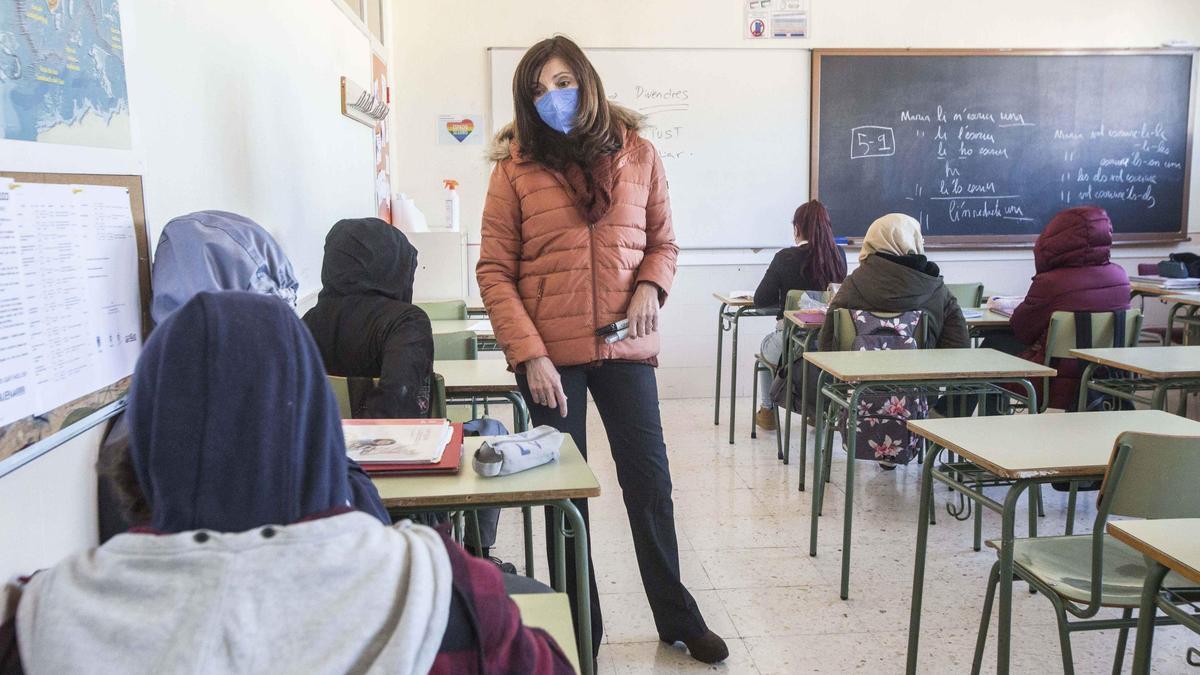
(437, 395)
(844, 330)
(1152, 476)
(341, 392)
(1060, 337)
(792, 300)
(444, 310)
(1149, 476)
(967, 295)
(459, 345)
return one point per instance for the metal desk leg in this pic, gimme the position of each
(1004, 629)
(520, 410)
(818, 468)
(1143, 646)
(527, 518)
(733, 364)
(848, 516)
(583, 600)
(804, 412)
(788, 335)
(918, 587)
(1084, 381)
(720, 344)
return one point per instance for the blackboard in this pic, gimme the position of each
(983, 148)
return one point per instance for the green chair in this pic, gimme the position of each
(1060, 338)
(790, 302)
(341, 392)
(456, 346)
(967, 295)
(1149, 476)
(444, 310)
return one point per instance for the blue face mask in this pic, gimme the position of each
(557, 108)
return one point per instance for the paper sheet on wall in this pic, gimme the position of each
(70, 315)
(775, 19)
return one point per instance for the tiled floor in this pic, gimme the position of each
(743, 533)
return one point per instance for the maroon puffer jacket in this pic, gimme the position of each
(1073, 275)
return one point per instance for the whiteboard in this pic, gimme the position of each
(730, 124)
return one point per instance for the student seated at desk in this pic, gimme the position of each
(1074, 274)
(214, 251)
(811, 265)
(894, 275)
(249, 557)
(365, 323)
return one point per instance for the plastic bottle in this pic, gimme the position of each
(406, 214)
(451, 198)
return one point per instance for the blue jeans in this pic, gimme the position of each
(626, 395)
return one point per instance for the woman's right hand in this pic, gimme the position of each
(545, 385)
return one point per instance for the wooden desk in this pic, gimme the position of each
(729, 315)
(989, 319)
(847, 376)
(1027, 450)
(1171, 545)
(472, 378)
(1136, 289)
(552, 613)
(917, 365)
(1189, 304)
(1160, 369)
(484, 331)
(554, 484)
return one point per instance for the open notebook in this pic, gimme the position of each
(416, 441)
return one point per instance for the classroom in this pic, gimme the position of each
(376, 336)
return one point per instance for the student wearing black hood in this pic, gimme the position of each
(365, 323)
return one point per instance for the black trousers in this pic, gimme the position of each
(626, 395)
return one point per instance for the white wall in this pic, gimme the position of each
(446, 71)
(234, 106)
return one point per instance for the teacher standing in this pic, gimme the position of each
(576, 236)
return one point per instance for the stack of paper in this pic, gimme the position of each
(1165, 282)
(1005, 304)
(415, 441)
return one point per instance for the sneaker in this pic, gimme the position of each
(765, 419)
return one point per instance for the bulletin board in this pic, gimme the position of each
(79, 256)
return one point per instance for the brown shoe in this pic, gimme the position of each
(765, 419)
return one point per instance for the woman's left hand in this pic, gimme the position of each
(643, 310)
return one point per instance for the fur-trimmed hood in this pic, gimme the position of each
(502, 144)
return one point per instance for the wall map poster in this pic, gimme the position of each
(62, 73)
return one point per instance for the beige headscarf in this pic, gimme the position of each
(895, 233)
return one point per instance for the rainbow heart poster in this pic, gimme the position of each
(466, 129)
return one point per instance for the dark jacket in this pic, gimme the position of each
(887, 283)
(1074, 274)
(365, 323)
(786, 273)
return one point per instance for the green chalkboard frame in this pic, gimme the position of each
(1009, 241)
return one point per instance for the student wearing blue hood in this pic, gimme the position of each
(250, 557)
(365, 323)
(216, 251)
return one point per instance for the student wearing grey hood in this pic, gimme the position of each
(210, 251)
(365, 323)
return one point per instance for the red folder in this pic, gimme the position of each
(450, 464)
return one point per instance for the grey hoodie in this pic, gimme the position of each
(217, 251)
(884, 283)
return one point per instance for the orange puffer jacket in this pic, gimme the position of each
(548, 278)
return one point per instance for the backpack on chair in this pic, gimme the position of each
(882, 432)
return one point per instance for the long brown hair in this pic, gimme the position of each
(596, 131)
(825, 263)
